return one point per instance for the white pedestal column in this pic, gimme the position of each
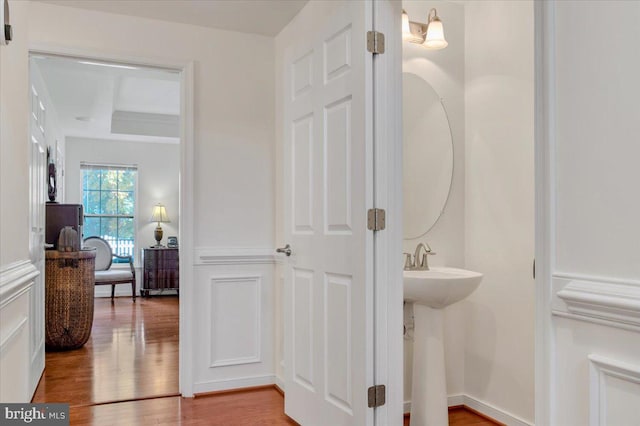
(429, 389)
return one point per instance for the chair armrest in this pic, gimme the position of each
(130, 259)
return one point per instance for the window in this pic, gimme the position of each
(109, 198)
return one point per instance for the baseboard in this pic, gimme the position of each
(494, 413)
(280, 383)
(237, 383)
(482, 408)
(455, 400)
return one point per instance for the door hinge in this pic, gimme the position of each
(377, 395)
(375, 42)
(376, 219)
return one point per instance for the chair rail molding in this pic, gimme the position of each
(608, 301)
(235, 256)
(15, 279)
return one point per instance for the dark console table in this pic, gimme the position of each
(160, 270)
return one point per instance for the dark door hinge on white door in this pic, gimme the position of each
(375, 42)
(376, 395)
(376, 219)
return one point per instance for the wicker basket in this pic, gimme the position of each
(69, 298)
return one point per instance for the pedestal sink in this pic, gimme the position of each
(430, 291)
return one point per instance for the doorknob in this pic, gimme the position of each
(286, 250)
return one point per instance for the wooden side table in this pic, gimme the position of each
(160, 271)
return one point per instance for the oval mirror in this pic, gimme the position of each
(427, 156)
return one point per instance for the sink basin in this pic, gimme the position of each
(430, 291)
(439, 286)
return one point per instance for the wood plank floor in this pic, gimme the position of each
(461, 416)
(256, 407)
(132, 353)
(132, 356)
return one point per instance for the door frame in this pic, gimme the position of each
(186, 196)
(387, 142)
(545, 234)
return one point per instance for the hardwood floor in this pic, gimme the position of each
(462, 416)
(255, 407)
(132, 353)
(127, 374)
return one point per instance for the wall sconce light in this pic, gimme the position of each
(430, 35)
(159, 214)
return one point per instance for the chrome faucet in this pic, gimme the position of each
(418, 264)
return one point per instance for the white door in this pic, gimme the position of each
(328, 189)
(37, 199)
(588, 218)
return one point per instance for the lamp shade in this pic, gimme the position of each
(406, 29)
(435, 35)
(159, 214)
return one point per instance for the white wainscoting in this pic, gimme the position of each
(16, 283)
(614, 391)
(602, 300)
(235, 332)
(234, 318)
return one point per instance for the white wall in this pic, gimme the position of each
(444, 71)
(233, 167)
(592, 252)
(16, 271)
(499, 205)
(14, 149)
(54, 137)
(158, 178)
(234, 119)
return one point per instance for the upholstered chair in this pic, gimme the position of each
(105, 275)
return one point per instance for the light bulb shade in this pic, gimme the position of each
(159, 214)
(406, 29)
(435, 35)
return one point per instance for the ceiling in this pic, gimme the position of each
(265, 17)
(112, 102)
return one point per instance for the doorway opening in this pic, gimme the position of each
(118, 134)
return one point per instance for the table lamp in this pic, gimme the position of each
(159, 215)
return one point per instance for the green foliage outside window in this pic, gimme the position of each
(108, 197)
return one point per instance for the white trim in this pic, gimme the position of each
(481, 407)
(257, 308)
(614, 302)
(599, 368)
(279, 382)
(544, 122)
(185, 233)
(15, 279)
(455, 400)
(237, 383)
(235, 256)
(494, 412)
(186, 69)
(387, 79)
(598, 321)
(12, 334)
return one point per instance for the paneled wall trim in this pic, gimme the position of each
(235, 320)
(235, 256)
(16, 279)
(604, 373)
(605, 300)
